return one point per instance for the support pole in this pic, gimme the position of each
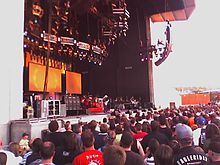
(149, 62)
(48, 51)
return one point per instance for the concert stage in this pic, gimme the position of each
(37, 126)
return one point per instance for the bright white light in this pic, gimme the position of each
(195, 59)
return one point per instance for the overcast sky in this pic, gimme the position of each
(195, 60)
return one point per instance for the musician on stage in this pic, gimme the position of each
(106, 103)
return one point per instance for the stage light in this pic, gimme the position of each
(25, 33)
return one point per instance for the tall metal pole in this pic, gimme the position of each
(149, 62)
(48, 50)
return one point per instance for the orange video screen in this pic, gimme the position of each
(73, 83)
(37, 76)
(192, 99)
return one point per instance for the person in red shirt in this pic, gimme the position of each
(90, 156)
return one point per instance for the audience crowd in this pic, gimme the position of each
(187, 135)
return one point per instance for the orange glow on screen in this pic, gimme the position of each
(54, 80)
(192, 99)
(73, 83)
(37, 76)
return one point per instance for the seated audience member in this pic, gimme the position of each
(131, 157)
(3, 158)
(114, 155)
(35, 147)
(214, 153)
(66, 153)
(150, 151)
(187, 152)
(55, 136)
(47, 153)
(90, 155)
(24, 143)
(163, 155)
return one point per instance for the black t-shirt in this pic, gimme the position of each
(100, 141)
(188, 155)
(56, 138)
(63, 157)
(167, 132)
(162, 139)
(133, 158)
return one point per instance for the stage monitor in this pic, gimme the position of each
(37, 76)
(73, 83)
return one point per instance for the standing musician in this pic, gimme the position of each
(106, 103)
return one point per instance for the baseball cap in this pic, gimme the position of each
(215, 146)
(183, 131)
(201, 120)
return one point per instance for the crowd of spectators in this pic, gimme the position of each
(187, 135)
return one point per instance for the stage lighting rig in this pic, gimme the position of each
(117, 25)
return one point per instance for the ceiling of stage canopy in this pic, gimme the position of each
(172, 10)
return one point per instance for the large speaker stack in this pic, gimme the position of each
(73, 105)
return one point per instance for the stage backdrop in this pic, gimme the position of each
(37, 76)
(73, 83)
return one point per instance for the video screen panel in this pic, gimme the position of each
(73, 83)
(54, 80)
(37, 76)
(194, 99)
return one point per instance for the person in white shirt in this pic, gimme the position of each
(198, 134)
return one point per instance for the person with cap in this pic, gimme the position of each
(199, 133)
(187, 153)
